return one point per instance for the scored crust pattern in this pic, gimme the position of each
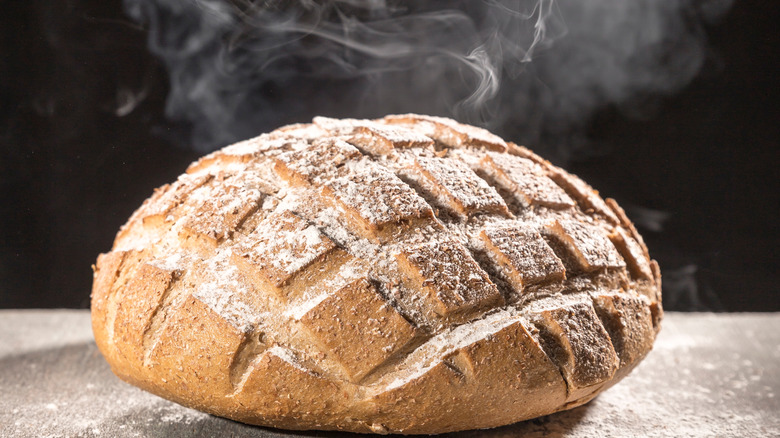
(407, 274)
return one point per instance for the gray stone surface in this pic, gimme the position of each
(709, 375)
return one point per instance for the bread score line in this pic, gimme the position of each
(408, 274)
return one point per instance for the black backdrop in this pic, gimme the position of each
(699, 176)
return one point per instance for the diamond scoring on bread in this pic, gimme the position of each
(408, 274)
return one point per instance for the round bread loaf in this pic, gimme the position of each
(403, 275)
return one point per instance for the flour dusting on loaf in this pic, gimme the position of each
(409, 274)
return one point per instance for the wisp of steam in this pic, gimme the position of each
(534, 71)
(528, 70)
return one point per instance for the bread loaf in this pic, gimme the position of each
(403, 275)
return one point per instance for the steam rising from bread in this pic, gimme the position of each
(529, 70)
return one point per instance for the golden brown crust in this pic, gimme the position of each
(409, 274)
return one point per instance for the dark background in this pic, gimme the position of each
(79, 154)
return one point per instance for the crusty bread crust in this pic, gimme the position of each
(403, 275)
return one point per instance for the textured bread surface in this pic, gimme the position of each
(403, 275)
